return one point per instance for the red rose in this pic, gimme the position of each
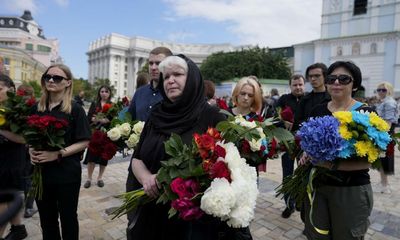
(125, 101)
(109, 151)
(219, 151)
(220, 170)
(30, 102)
(21, 92)
(272, 150)
(178, 186)
(287, 114)
(207, 142)
(222, 104)
(106, 107)
(245, 147)
(207, 164)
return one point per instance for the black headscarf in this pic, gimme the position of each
(179, 116)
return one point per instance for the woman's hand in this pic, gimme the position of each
(43, 156)
(150, 185)
(304, 159)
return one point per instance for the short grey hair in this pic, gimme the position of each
(172, 61)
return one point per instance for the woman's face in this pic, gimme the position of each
(245, 98)
(3, 92)
(104, 94)
(56, 80)
(382, 91)
(338, 90)
(174, 82)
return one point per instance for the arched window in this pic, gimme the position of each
(339, 51)
(355, 50)
(373, 48)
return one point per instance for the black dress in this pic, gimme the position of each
(12, 164)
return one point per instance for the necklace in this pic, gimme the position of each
(335, 109)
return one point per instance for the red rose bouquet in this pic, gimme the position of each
(43, 133)
(15, 110)
(207, 177)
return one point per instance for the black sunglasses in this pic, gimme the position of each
(56, 78)
(343, 79)
(381, 90)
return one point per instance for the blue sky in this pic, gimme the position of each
(75, 23)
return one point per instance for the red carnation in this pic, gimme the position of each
(214, 133)
(220, 170)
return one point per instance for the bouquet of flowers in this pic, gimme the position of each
(208, 177)
(43, 133)
(347, 134)
(256, 139)
(105, 143)
(15, 110)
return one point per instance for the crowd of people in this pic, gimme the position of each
(174, 98)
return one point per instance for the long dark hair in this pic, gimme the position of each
(98, 99)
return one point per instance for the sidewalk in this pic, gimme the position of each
(268, 224)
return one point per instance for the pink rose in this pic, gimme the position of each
(182, 204)
(178, 187)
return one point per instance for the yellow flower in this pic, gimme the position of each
(344, 132)
(366, 148)
(378, 122)
(2, 117)
(344, 117)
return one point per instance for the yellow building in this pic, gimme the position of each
(19, 65)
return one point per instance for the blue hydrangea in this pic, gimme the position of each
(320, 138)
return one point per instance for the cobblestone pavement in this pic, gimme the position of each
(268, 224)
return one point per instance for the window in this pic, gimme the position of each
(374, 48)
(125, 84)
(125, 76)
(42, 48)
(360, 7)
(355, 50)
(126, 68)
(29, 46)
(339, 51)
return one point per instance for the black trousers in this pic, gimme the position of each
(59, 201)
(287, 169)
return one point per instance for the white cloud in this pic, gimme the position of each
(272, 23)
(18, 6)
(180, 36)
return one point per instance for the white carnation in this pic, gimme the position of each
(125, 129)
(132, 140)
(232, 156)
(218, 199)
(241, 217)
(138, 127)
(114, 134)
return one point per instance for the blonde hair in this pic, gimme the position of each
(66, 105)
(388, 87)
(257, 103)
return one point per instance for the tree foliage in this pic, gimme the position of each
(255, 61)
(82, 84)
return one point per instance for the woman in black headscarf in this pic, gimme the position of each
(184, 111)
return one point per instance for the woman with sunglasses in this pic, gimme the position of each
(387, 109)
(104, 95)
(61, 170)
(343, 200)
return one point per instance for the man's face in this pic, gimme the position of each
(316, 78)
(154, 61)
(297, 87)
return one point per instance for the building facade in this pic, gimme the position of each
(23, 44)
(366, 32)
(119, 58)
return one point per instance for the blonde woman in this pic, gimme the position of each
(61, 170)
(387, 109)
(247, 98)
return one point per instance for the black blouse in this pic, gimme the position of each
(68, 170)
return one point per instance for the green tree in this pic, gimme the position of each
(255, 61)
(82, 84)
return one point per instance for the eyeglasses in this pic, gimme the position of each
(56, 78)
(343, 79)
(381, 90)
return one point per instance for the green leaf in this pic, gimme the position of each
(172, 212)
(281, 134)
(173, 145)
